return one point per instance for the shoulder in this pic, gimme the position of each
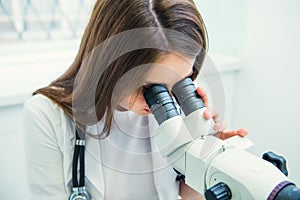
(43, 107)
(40, 101)
(42, 116)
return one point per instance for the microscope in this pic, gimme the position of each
(218, 169)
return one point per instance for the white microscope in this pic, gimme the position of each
(218, 169)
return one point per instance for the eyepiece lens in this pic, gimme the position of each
(160, 102)
(187, 96)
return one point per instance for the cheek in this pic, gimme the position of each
(137, 100)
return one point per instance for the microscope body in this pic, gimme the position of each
(218, 169)
(206, 160)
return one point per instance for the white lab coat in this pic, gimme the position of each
(49, 146)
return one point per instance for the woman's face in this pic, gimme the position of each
(168, 70)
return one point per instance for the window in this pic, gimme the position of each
(43, 20)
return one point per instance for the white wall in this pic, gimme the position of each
(263, 35)
(268, 85)
(11, 154)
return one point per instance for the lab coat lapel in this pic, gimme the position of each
(93, 171)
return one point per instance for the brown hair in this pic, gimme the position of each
(110, 18)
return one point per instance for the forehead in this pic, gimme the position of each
(170, 69)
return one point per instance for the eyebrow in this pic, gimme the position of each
(150, 84)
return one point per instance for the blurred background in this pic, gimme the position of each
(253, 44)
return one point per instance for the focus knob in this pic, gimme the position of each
(220, 191)
(276, 160)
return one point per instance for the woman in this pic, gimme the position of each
(127, 45)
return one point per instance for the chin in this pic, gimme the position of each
(141, 112)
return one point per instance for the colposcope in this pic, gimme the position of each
(218, 169)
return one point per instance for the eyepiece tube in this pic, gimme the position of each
(289, 192)
(187, 96)
(160, 103)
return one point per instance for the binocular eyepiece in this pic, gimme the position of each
(162, 105)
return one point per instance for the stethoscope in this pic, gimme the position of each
(78, 190)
